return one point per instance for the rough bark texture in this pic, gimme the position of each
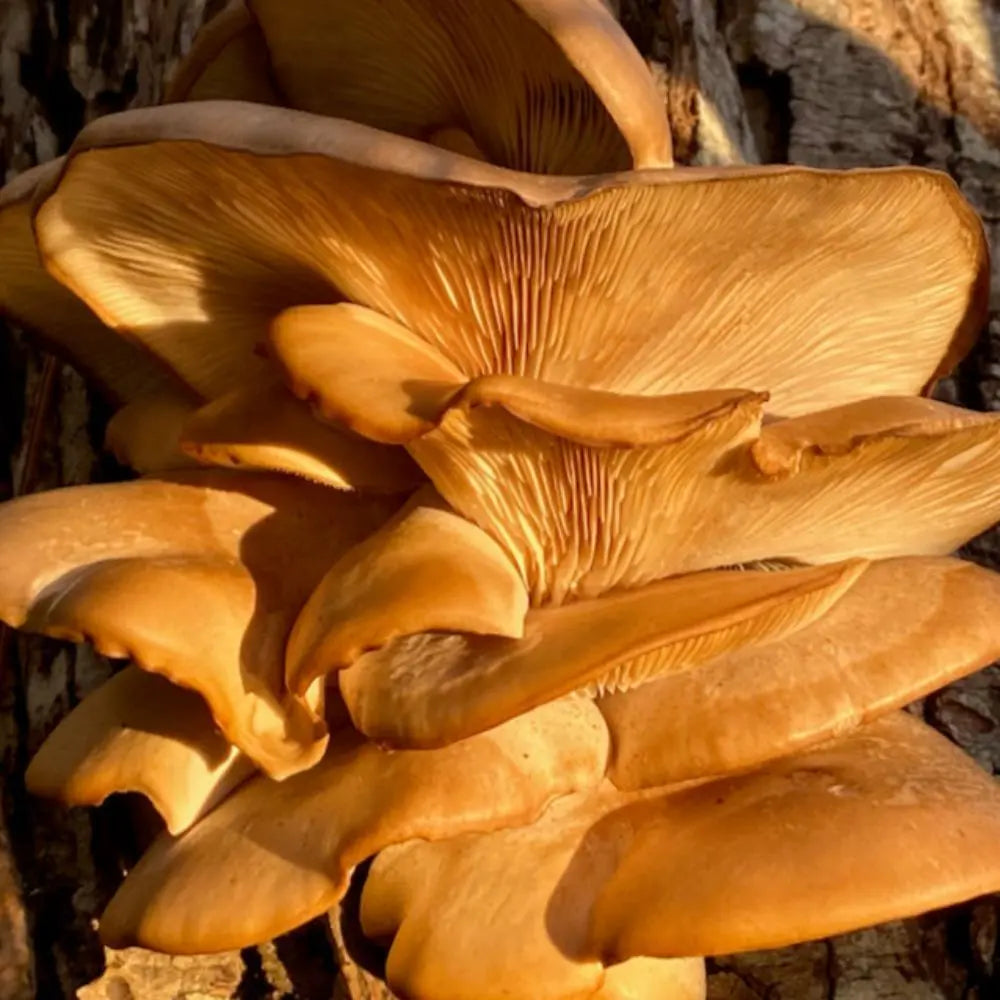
(822, 82)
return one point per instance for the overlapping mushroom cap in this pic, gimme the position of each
(689, 514)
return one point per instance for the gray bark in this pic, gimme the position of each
(821, 82)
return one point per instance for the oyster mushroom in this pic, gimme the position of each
(140, 733)
(885, 823)
(553, 86)
(669, 455)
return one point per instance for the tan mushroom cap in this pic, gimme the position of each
(228, 61)
(906, 628)
(139, 733)
(488, 916)
(275, 855)
(553, 86)
(427, 569)
(197, 577)
(145, 433)
(874, 479)
(368, 372)
(263, 426)
(364, 370)
(31, 297)
(605, 283)
(427, 690)
(887, 823)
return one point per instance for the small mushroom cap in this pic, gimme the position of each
(229, 61)
(430, 689)
(553, 86)
(490, 916)
(889, 822)
(907, 627)
(263, 426)
(427, 569)
(198, 577)
(145, 433)
(31, 297)
(580, 505)
(366, 371)
(139, 733)
(274, 855)
(474, 259)
(361, 369)
(873, 479)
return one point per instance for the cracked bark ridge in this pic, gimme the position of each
(821, 82)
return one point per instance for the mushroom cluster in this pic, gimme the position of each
(560, 528)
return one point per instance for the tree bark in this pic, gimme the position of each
(822, 82)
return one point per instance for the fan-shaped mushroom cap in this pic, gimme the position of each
(604, 282)
(426, 569)
(229, 60)
(280, 854)
(30, 296)
(906, 628)
(889, 822)
(145, 433)
(553, 86)
(364, 370)
(139, 733)
(877, 478)
(197, 577)
(488, 917)
(430, 689)
(263, 426)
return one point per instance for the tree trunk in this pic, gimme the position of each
(820, 82)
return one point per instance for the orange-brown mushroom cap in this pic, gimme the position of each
(275, 855)
(906, 628)
(31, 297)
(603, 283)
(263, 426)
(888, 822)
(553, 86)
(489, 916)
(145, 433)
(228, 61)
(139, 733)
(429, 689)
(428, 569)
(877, 478)
(197, 576)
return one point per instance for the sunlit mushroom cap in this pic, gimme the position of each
(553, 86)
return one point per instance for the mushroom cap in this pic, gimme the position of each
(884, 823)
(145, 433)
(263, 426)
(553, 86)
(888, 822)
(197, 576)
(139, 733)
(228, 61)
(508, 924)
(877, 478)
(31, 297)
(906, 628)
(507, 273)
(426, 569)
(274, 855)
(429, 689)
